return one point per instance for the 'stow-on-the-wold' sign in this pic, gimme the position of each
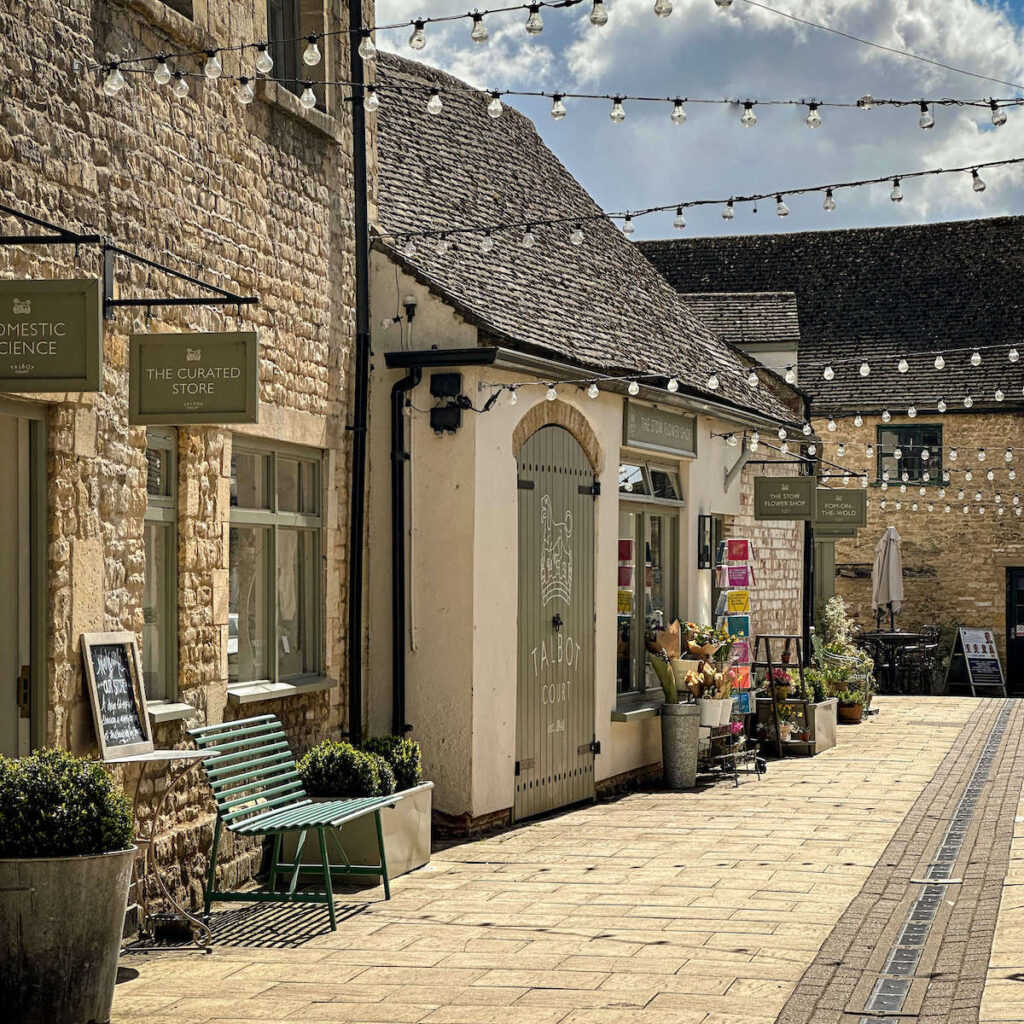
(51, 335)
(193, 378)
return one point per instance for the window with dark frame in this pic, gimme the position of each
(289, 23)
(183, 7)
(919, 447)
(160, 586)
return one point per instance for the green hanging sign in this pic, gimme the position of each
(784, 497)
(840, 508)
(193, 378)
(51, 335)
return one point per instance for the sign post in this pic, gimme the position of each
(51, 336)
(974, 660)
(193, 378)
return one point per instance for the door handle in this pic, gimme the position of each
(556, 621)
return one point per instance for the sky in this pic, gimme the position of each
(744, 52)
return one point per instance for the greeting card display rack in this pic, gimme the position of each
(735, 578)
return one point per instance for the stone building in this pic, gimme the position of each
(224, 549)
(908, 339)
(548, 466)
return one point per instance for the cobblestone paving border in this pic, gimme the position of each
(948, 977)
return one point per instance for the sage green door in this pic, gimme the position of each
(555, 714)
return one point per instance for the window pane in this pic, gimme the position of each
(913, 442)
(247, 605)
(158, 472)
(249, 472)
(665, 484)
(632, 480)
(156, 540)
(658, 581)
(297, 486)
(626, 633)
(296, 602)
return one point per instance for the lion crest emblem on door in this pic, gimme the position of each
(555, 554)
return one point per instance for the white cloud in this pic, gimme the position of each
(745, 52)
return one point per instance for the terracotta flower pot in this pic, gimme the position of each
(851, 713)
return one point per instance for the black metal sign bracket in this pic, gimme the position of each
(58, 236)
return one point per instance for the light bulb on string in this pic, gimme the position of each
(897, 454)
(881, 504)
(479, 33)
(417, 40)
(913, 506)
(728, 212)
(678, 115)
(598, 15)
(114, 81)
(864, 481)
(926, 120)
(749, 118)
(865, 368)
(212, 68)
(663, 8)
(982, 455)
(679, 221)
(975, 358)
(551, 394)
(968, 401)
(999, 396)
(831, 425)
(442, 246)
(264, 62)
(434, 104)
(1012, 473)
(731, 440)
(558, 110)
(990, 476)
(942, 492)
(790, 375)
(593, 391)
(627, 225)
(829, 373)
(830, 204)
(410, 247)
(886, 416)
(998, 114)
(941, 405)
(780, 207)
(939, 362)
(722, 4)
(968, 475)
(813, 116)
(634, 388)
(1013, 355)
(494, 108)
(912, 411)
(931, 507)
(954, 454)
(713, 382)
(311, 54)
(812, 449)
(180, 87)
(783, 433)
(162, 71)
(308, 98)
(977, 495)
(534, 23)
(371, 101)
(529, 239)
(244, 93)
(976, 181)
(576, 238)
(512, 396)
(1008, 455)
(948, 508)
(896, 195)
(784, 447)
(752, 379)
(925, 455)
(869, 451)
(841, 450)
(807, 429)
(905, 477)
(618, 112)
(903, 365)
(858, 420)
(487, 242)
(672, 385)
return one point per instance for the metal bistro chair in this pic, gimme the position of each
(258, 791)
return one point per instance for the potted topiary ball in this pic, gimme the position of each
(66, 858)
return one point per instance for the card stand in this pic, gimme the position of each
(725, 753)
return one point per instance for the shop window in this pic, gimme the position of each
(289, 22)
(275, 585)
(914, 443)
(160, 588)
(650, 481)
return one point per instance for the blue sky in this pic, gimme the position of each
(745, 52)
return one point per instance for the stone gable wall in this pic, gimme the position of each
(253, 199)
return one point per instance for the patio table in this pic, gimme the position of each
(891, 643)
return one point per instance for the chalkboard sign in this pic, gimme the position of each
(113, 678)
(974, 660)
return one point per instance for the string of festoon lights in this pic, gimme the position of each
(479, 34)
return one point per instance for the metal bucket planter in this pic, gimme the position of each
(61, 921)
(679, 736)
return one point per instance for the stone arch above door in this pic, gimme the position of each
(560, 414)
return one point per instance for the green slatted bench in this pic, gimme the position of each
(258, 791)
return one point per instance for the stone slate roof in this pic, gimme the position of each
(600, 306)
(881, 293)
(748, 318)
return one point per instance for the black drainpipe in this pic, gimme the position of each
(808, 615)
(360, 403)
(399, 457)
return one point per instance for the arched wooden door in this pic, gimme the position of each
(555, 717)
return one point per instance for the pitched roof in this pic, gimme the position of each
(879, 294)
(748, 318)
(600, 306)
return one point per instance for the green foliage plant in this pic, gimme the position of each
(53, 804)
(403, 755)
(337, 769)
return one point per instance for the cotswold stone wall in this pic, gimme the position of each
(954, 564)
(776, 601)
(255, 199)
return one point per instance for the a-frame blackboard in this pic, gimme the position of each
(113, 677)
(974, 661)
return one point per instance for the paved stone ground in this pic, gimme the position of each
(696, 908)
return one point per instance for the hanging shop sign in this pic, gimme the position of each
(51, 335)
(784, 497)
(840, 508)
(113, 676)
(659, 430)
(193, 378)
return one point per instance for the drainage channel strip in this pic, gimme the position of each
(890, 992)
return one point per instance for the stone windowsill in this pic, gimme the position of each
(634, 707)
(254, 693)
(179, 28)
(169, 711)
(276, 95)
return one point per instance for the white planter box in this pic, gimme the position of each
(406, 829)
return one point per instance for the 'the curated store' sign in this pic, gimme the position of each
(51, 335)
(660, 430)
(784, 497)
(842, 508)
(193, 378)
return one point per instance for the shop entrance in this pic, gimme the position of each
(1015, 629)
(555, 713)
(20, 438)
